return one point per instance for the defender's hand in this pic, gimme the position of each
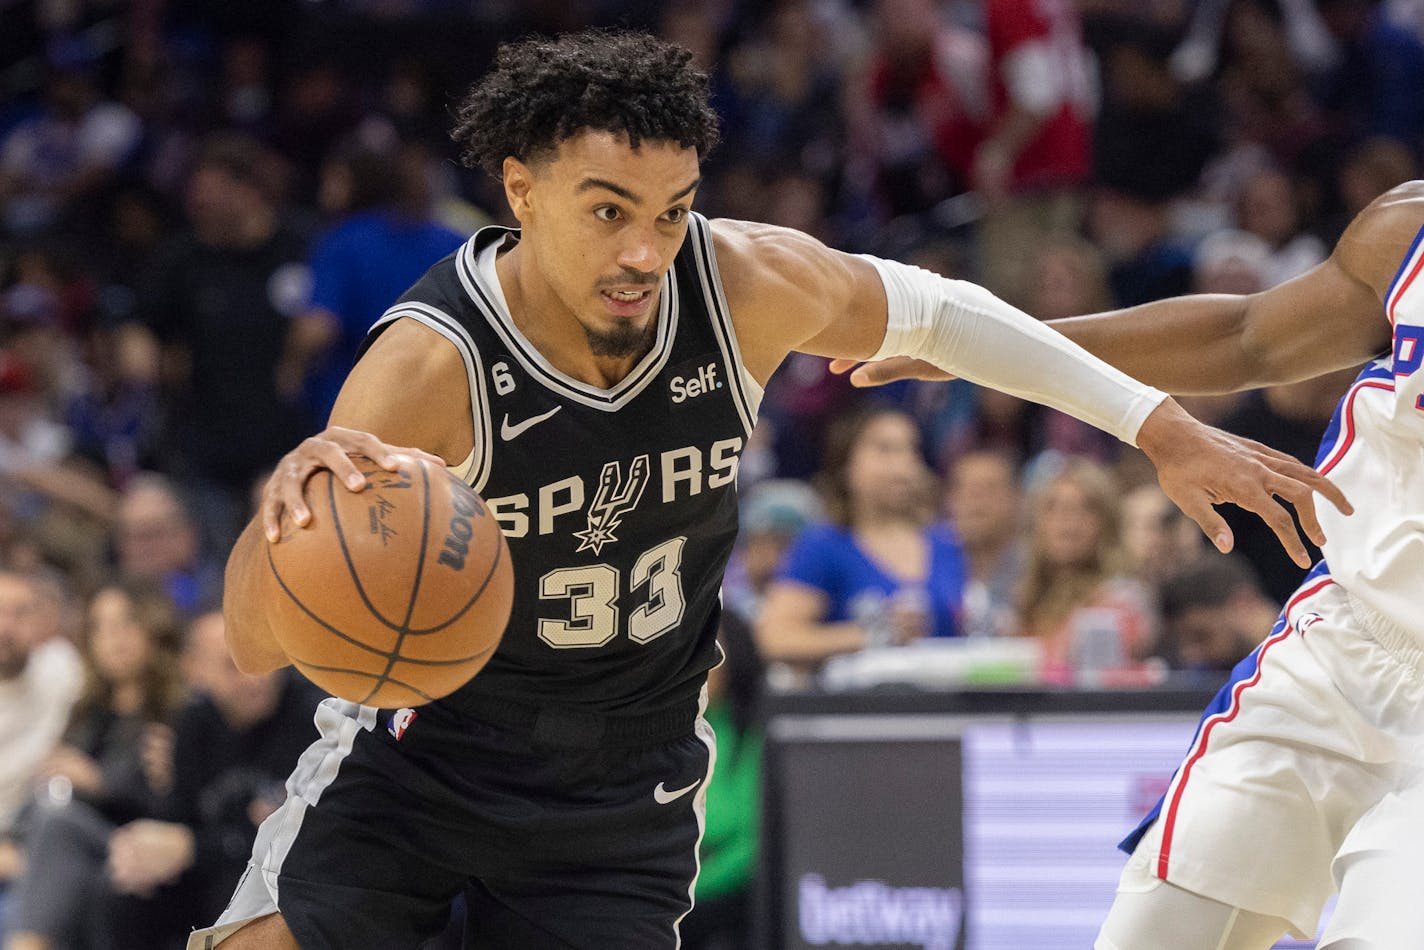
(894, 369)
(330, 449)
(1199, 467)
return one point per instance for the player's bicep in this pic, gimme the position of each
(410, 389)
(1322, 321)
(855, 313)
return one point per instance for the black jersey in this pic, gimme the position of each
(619, 505)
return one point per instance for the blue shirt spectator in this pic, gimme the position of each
(358, 270)
(880, 574)
(389, 237)
(859, 589)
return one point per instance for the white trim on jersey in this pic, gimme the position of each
(703, 730)
(476, 468)
(746, 392)
(481, 283)
(1404, 277)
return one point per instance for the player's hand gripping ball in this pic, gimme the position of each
(394, 595)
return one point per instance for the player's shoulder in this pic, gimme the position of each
(1381, 236)
(766, 266)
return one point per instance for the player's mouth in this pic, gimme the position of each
(628, 302)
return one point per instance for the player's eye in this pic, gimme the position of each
(606, 213)
(676, 215)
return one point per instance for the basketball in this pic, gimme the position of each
(395, 595)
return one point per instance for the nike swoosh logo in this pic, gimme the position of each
(664, 797)
(509, 432)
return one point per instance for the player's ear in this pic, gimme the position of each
(518, 183)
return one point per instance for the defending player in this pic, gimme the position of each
(595, 376)
(1311, 757)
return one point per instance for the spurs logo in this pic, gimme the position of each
(616, 497)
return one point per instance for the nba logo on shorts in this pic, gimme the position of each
(400, 721)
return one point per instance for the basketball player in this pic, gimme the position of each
(594, 376)
(1305, 775)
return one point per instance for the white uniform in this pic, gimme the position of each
(1311, 755)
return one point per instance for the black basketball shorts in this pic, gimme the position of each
(559, 838)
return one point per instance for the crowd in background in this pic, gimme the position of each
(203, 205)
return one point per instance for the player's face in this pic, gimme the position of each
(603, 222)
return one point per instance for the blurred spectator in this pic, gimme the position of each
(246, 85)
(1155, 134)
(879, 574)
(1077, 599)
(115, 762)
(1263, 60)
(1293, 419)
(40, 679)
(731, 840)
(1375, 88)
(784, 107)
(64, 505)
(157, 538)
(1037, 146)
(1133, 231)
(1213, 614)
(1217, 24)
(983, 502)
(772, 514)
(220, 300)
(801, 400)
(51, 163)
(1231, 262)
(234, 746)
(358, 269)
(1270, 209)
(1157, 537)
(915, 113)
(1368, 171)
(316, 109)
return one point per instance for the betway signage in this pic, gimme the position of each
(874, 914)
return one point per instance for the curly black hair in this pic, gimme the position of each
(542, 91)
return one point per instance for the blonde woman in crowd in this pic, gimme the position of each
(1095, 622)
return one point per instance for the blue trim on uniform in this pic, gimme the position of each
(1408, 255)
(1220, 703)
(1374, 370)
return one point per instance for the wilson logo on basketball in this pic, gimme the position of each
(457, 537)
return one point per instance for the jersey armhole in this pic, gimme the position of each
(475, 468)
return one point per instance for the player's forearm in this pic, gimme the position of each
(1194, 345)
(249, 636)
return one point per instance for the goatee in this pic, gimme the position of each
(628, 339)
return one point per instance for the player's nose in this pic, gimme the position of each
(641, 253)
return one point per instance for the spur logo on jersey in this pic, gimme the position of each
(616, 497)
(674, 475)
(691, 380)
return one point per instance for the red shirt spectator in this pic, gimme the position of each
(1044, 89)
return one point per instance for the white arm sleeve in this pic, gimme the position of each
(965, 330)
